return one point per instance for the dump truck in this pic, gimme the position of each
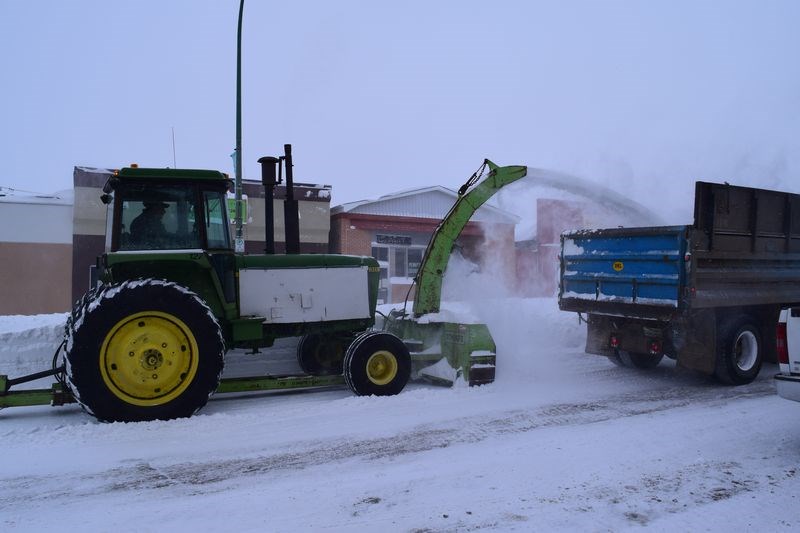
(149, 340)
(707, 294)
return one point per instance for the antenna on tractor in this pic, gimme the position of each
(174, 162)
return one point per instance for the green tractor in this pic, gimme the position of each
(149, 340)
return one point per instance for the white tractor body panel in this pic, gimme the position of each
(296, 295)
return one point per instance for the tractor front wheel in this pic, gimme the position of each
(377, 363)
(143, 350)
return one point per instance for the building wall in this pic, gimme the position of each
(34, 278)
(313, 204)
(362, 234)
(35, 254)
(88, 225)
(537, 262)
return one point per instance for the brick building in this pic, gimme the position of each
(396, 228)
(537, 258)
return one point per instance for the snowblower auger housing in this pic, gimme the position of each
(442, 351)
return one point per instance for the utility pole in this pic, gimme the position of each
(239, 238)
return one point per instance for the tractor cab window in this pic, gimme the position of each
(158, 218)
(217, 228)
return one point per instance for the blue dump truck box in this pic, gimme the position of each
(641, 269)
(706, 294)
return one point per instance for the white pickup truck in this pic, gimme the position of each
(788, 337)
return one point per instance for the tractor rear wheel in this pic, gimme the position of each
(143, 350)
(322, 355)
(377, 363)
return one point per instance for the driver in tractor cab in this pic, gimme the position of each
(148, 227)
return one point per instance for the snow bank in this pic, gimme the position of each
(27, 343)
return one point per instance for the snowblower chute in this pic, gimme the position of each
(444, 351)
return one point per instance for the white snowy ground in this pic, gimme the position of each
(561, 441)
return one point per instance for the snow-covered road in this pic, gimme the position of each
(561, 441)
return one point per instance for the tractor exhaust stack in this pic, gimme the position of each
(291, 214)
(269, 180)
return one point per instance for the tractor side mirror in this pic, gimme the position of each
(111, 184)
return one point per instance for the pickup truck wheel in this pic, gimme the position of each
(320, 355)
(377, 363)
(143, 350)
(639, 360)
(739, 352)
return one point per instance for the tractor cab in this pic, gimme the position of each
(168, 209)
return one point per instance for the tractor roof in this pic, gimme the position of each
(171, 173)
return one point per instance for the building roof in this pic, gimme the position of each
(425, 202)
(15, 196)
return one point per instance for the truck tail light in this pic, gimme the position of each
(780, 338)
(655, 347)
(614, 342)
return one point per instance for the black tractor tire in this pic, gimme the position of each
(740, 351)
(141, 350)
(377, 363)
(322, 355)
(643, 361)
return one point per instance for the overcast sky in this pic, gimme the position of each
(378, 97)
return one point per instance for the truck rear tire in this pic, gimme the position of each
(321, 355)
(739, 351)
(642, 361)
(143, 350)
(377, 363)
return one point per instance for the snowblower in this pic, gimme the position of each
(148, 342)
(442, 350)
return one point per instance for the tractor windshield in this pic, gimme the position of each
(172, 217)
(159, 218)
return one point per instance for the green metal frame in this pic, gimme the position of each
(56, 395)
(434, 263)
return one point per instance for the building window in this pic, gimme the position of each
(399, 262)
(383, 287)
(414, 261)
(381, 253)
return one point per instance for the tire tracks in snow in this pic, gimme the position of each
(212, 476)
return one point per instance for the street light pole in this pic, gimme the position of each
(239, 238)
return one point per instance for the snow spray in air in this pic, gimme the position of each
(510, 283)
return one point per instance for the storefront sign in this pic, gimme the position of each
(401, 240)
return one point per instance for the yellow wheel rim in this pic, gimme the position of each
(149, 358)
(382, 367)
